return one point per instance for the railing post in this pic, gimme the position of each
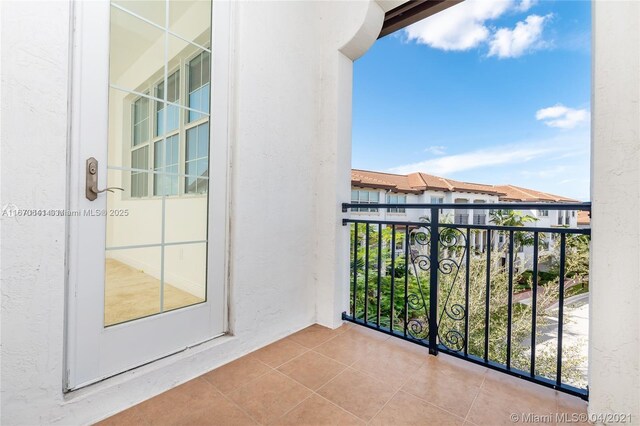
(433, 282)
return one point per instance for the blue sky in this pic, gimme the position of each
(487, 91)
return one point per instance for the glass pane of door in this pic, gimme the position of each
(158, 153)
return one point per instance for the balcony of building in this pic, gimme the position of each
(351, 376)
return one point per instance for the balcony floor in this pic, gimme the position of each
(351, 375)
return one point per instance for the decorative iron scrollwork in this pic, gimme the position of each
(418, 326)
(453, 243)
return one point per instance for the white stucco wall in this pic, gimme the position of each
(614, 351)
(290, 106)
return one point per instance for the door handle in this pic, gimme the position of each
(91, 178)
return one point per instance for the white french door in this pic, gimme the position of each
(147, 234)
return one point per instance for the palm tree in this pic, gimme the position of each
(514, 218)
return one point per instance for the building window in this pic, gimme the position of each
(396, 199)
(140, 179)
(140, 147)
(573, 213)
(438, 200)
(197, 159)
(543, 213)
(166, 166)
(199, 71)
(173, 139)
(171, 117)
(359, 196)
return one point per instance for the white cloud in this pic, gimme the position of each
(465, 26)
(460, 27)
(561, 116)
(436, 149)
(524, 37)
(526, 5)
(495, 156)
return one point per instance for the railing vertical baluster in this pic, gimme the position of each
(510, 300)
(534, 303)
(379, 272)
(366, 274)
(466, 294)
(393, 276)
(433, 281)
(563, 247)
(406, 278)
(429, 258)
(487, 298)
(355, 269)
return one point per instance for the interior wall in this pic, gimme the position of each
(614, 341)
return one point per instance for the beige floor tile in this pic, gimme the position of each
(451, 390)
(574, 407)
(231, 376)
(407, 410)
(317, 411)
(360, 331)
(270, 396)
(349, 346)
(132, 416)
(496, 381)
(391, 363)
(357, 393)
(313, 335)
(433, 390)
(195, 402)
(312, 369)
(279, 352)
(497, 407)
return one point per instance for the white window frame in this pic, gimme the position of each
(438, 200)
(149, 87)
(360, 201)
(400, 199)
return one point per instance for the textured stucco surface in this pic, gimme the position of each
(614, 365)
(289, 137)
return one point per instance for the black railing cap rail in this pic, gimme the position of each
(473, 226)
(476, 206)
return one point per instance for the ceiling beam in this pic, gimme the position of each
(412, 12)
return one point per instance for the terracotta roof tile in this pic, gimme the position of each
(584, 218)
(367, 179)
(516, 193)
(419, 182)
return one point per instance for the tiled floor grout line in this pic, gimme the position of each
(431, 403)
(476, 397)
(240, 387)
(307, 350)
(383, 406)
(313, 392)
(342, 408)
(239, 407)
(332, 359)
(292, 408)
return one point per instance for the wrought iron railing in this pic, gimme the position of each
(455, 289)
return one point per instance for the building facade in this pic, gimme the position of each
(369, 187)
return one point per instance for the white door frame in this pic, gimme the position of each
(94, 353)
